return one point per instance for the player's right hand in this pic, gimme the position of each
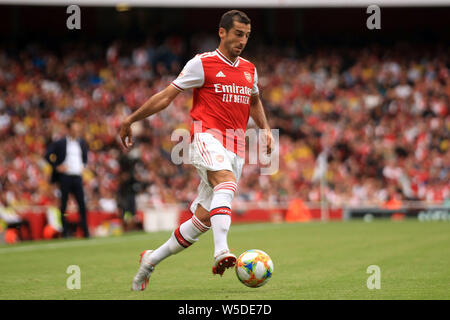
(125, 134)
(268, 141)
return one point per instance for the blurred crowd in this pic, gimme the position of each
(358, 125)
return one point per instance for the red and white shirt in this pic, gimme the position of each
(221, 96)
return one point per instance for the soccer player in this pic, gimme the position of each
(225, 94)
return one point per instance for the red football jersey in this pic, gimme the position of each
(221, 96)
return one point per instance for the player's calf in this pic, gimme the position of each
(183, 237)
(220, 216)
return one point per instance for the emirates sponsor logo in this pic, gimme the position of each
(233, 93)
(232, 88)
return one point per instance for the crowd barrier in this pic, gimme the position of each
(36, 219)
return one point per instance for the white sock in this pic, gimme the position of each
(220, 225)
(183, 237)
(220, 213)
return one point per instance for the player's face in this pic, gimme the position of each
(236, 38)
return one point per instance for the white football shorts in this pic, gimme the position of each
(206, 153)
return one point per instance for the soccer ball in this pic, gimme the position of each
(254, 268)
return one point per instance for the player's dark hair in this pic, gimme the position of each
(228, 17)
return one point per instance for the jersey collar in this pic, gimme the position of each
(226, 60)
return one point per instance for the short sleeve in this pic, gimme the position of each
(255, 89)
(192, 75)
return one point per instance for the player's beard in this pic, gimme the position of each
(233, 52)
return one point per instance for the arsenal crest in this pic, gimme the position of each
(219, 158)
(248, 76)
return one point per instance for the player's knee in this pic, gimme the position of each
(223, 196)
(206, 220)
(226, 186)
(202, 215)
(217, 177)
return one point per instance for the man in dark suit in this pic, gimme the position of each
(68, 158)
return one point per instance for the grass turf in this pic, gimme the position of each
(312, 261)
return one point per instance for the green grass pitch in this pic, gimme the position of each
(312, 261)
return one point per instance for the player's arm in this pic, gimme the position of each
(257, 112)
(259, 116)
(154, 104)
(192, 76)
